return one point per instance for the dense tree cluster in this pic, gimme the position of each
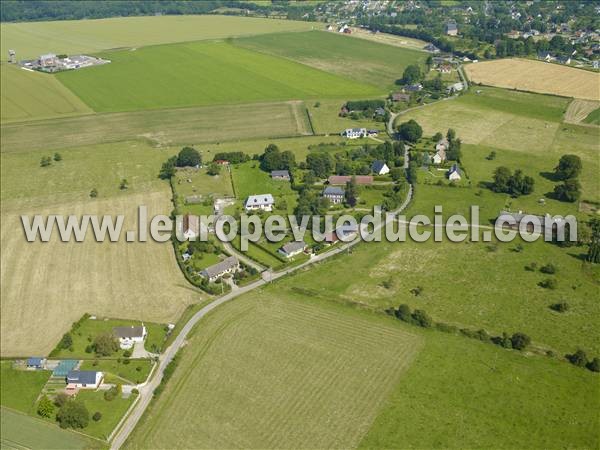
(274, 159)
(514, 184)
(568, 169)
(188, 156)
(410, 131)
(320, 163)
(232, 157)
(73, 414)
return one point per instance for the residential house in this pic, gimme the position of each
(228, 265)
(262, 202)
(442, 144)
(454, 173)
(334, 194)
(545, 56)
(451, 29)
(190, 226)
(380, 111)
(456, 87)
(380, 168)
(563, 59)
(413, 88)
(84, 379)
(354, 133)
(128, 336)
(444, 68)
(400, 97)
(439, 157)
(431, 48)
(364, 180)
(292, 248)
(280, 175)
(35, 363)
(372, 133)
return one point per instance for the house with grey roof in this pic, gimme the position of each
(354, 133)
(380, 167)
(84, 379)
(292, 248)
(334, 194)
(128, 336)
(262, 202)
(451, 29)
(228, 265)
(280, 175)
(35, 363)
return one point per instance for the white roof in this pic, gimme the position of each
(260, 200)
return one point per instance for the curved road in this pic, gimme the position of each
(146, 389)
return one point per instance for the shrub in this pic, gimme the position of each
(520, 341)
(446, 328)
(188, 156)
(105, 344)
(89, 348)
(594, 365)
(97, 416)
(503, 341)
(549, 283)
(60, 399)
(73, 414)
(94, 193)
(111, 394)
(57, 157)
(531, 267)
(549, 269)
(422, 319)
(579, 358)
(66, 341)
(45, 407)
(416, 291)
(560, 307)
(127, 353)
(403, 313)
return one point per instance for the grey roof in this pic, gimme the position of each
(333, 190)
(219, 268)
(518, 216)
(380, 111)
(451, 26)
(258, 200)
(34, 361)
(453, 169)
(280, 173)
(82, 376)
(293, 246)
(129, 332)
(377, 165)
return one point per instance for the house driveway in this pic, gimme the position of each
(140, 352)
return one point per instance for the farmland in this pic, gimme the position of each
(536, 76)
(201, 73)
(20, 389)
(358, 59)
(159, 127)
(32, 39)
(593, 117)
(579, 111)
(317, 378)
(27, 95)
(20, 431)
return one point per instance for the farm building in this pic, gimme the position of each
(128, 336)
(35, 363)
(354, 133)
(292, 248)
(451, 29)
(431, 48)
(190, 226)
(262, 202)
(453, 173)
(413, 88)
(228, 265)
(334, 194)
(84, 379)
(364, 180)
(280, 175)
(400, 97)
(444, 68)
(380, 167)
(48, 60)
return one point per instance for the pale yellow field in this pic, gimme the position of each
(536, 76)
(389, 39)
(578, 110)
(47, 286)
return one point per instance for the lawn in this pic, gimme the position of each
(159, 127)
(21, 388)
(31, 39)
(326, 120)
(112, 412)
(20, 432)
(593, 117)
(249, 179)
(358, 59)
(197, 182)
(85, 334)
(270, 373)
(201, 73)
(26, 95)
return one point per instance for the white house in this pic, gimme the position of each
(84, 379)
(128, 336)
(263, 202)
(334, 194)
(380, 168)
(353, 133)
(456, 87)
(228, 265)
(292, 248)
(454, 173)
(442, 144)
(439, 157)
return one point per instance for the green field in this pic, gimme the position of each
(249, 179)
(593, 117)
(160, 127)
(27, 95)
(270, 373)
(116, 371)
(112, 412)
(200, 73)
(20, 388)
(326, 120)
(23, 432)
(31, 39)
(358, 59)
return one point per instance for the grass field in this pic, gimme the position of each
(117, 372)
(20, 389)
(23, 432)
(389, 39)
(266, 373)
(159, 127)
(358, 59)
(31, 39)
(526, 126)
(250, 180)
(579, 111)
(112, 412)
(50, 285)
(593, 117)
(27, 95)
(201, 73)
(326, 120)
(536, 76)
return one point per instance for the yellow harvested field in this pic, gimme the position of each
(389, 39)
(47, 286)
(536, 76)
(578, 110)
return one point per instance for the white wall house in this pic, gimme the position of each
(292, 248)
(228, 265)
(84, 379)
(454, 173)
(128, 336)
(354, 133)
(262, 202)
(380, 168)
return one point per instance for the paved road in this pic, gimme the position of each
(243, 258)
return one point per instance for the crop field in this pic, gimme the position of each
(27, 95)
(50, 285)
(19, 432)
(201, 73)
(389, 39)
(31, 39)
(358, 59)
(523, 123)
(579, 111)
(536, 76)
(270, 373)
(160, 127)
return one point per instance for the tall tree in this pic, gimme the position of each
(569, 166)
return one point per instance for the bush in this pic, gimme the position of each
(403, 313)
(560, 307)
(503, 341)
(60, 399)
(111, 393)
(579, 358)
(66, 341)
(97, 416)
(89, 348)
(416, 291)
(549, 269)
(127, 353)
(188, 156)
(549, 283)
(45, 407)
(105, 344)
(73, 414)
(422, 319)
(446, 328)
(531, 267)
(520, 341)
(594, 365)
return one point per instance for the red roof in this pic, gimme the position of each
(343, 179)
